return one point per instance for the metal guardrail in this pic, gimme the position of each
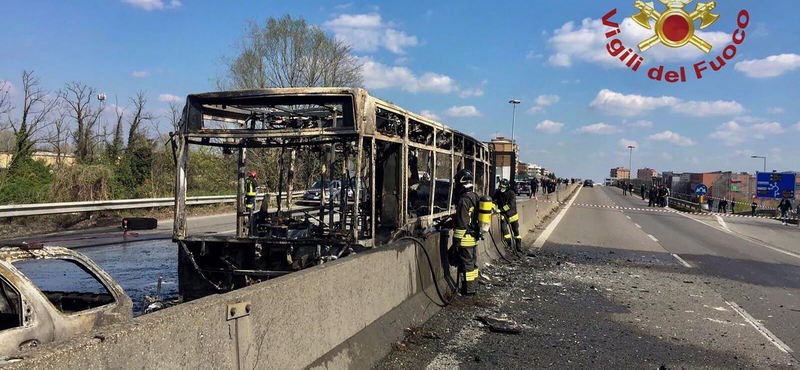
(685, 204)
(41, 209)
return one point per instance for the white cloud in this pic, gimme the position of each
(672, 137)
(549, 127)
(732, 133)
(560, 143)
(641, 123)
(7, 86)
(535, 110)
(343, 6)
(547, 100)
(380, 76)
(533, 55)
(709, 108)
(154, 4)
(614, 103)
(598, 129)
(771, 66)
(428, 114)
(474, 92)
(140, 74)
(625, 143)
(587, 42)
(367, 32)
(559, 60)
(776, 110)
(463, 111)
(796, 127)
(666, 156)
(169, 98)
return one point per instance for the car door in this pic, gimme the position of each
(24, 323)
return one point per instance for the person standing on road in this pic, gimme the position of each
(642, 190)
(652, 196)
(710, 202)
(506, 204)
(624, 189)
(534, 187)
(467, 232)
(723, 206)
(784, 206)
(797, 214)
(753, 207)
(665, 199)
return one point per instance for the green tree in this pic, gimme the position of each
(288, 52)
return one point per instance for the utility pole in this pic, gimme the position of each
(513, 176)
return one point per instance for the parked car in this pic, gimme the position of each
(522, 188)
(588, 183)
(49, 294)
(331, 191)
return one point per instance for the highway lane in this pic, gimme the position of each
(762, 278)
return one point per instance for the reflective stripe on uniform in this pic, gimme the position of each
(506, 208)
(459, 233)
(507, 236)
(471, 275)
(468, 241)
(513, 218)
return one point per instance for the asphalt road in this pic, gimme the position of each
(615, 288)
(753, 262)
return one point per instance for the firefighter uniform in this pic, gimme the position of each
(250, 192)
(467, 233)
(506, 203)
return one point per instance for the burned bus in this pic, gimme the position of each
(394, 169)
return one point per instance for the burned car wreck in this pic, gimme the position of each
(49, 294)
(396, 166)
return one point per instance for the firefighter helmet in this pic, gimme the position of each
(253, 174)
(464, 178)
(504, 184)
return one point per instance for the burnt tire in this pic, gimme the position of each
(139, 223)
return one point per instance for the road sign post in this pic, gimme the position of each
(700, 190)
(774, 185)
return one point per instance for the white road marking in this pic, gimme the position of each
(637, 225)
(677, 257)
(722, 222)
(761, 329)
(652, 237)
(629, 217)
(539, 243)
(745, 238)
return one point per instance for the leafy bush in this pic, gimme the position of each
(27, 182)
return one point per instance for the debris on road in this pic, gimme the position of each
(500, 325)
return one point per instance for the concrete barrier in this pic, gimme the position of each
(341, 315)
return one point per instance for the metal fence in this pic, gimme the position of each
(41, 209)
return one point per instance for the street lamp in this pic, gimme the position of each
(630, 163)
(513, 103)
(765, 170)
(764, 158)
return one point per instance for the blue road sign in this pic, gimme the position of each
(775, 185)
(701, 189)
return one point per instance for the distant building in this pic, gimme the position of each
(646, 174)
(620, 173)
(48, 158)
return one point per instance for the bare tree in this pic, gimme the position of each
(79, 100)
(137, 118)
(58, 134)
(175, 111)
(5, 104)
(288, 52)
(36, 108)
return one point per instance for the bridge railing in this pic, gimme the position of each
(41, 209)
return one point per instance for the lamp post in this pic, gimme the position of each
(630, 163)
(765, 170)
(513, 103)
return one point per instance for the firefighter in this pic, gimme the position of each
(467, 232)
(251, 191)
(506, 203)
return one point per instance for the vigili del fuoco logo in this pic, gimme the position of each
(675, 28)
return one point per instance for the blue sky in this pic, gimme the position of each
(461, 62)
